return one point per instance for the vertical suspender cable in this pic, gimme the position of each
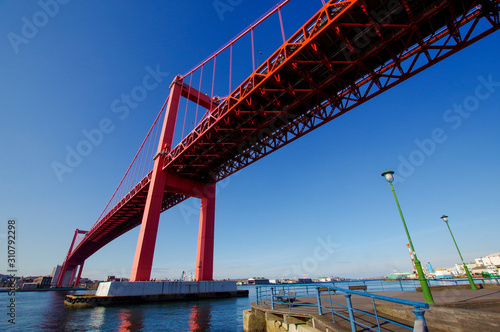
(114, 196)
(281, 24)
(230, 66)
(147, 159)
(212, 93)
(187, 103)
(253, 51)
(213, 78)
(198, 103)
(158, 129)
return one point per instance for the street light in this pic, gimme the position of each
(471, 281)
(388, 175)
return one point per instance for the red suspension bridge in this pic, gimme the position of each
(347, 53)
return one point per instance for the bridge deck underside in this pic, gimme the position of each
(119, 220)
(346, 54)
(306, 73)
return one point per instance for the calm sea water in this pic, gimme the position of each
(45, 311)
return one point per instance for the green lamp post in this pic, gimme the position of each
(388, 175)
(471, 281)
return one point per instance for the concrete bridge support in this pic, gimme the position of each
(205, 256)
(143, 260)
(66, 275)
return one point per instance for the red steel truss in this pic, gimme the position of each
(339, 59)
(346, 54)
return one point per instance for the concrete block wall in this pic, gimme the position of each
(198, 287)
(259, 321)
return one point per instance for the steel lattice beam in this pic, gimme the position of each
(305, 84)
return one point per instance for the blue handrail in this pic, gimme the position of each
(286, 295)
(415, 304)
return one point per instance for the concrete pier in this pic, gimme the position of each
(117, 293)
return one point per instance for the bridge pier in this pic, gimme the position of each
(143, 260)
(78, 277)
(64, 277)
(205, 255)
(161, 182)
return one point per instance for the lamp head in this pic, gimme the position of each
(388, 176)
(444, 217)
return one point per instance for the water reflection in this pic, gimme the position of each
(130, 320)
(200, 317)
(46, 311)
(55, 316)
(96, 319)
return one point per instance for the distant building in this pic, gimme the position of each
(459, 268)
(29, 285)
(330, 279)
(6, 281)
(110, 278)
(86, 283)
(55, 273)
(492, 259)
(443, 274)
(400, 275)
(478, 270)
(258, 281)
(304, 281)
(287, 281)
(325, 279)
(44, 282)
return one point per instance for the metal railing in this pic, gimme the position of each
(408, 285)
(320, 297)
(463, 281)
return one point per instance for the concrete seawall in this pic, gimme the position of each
(257, 320)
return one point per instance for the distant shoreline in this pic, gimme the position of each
(5, 289)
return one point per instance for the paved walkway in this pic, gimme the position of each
(452, 297)
(484, 303)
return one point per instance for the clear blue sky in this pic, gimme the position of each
(319, 205)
